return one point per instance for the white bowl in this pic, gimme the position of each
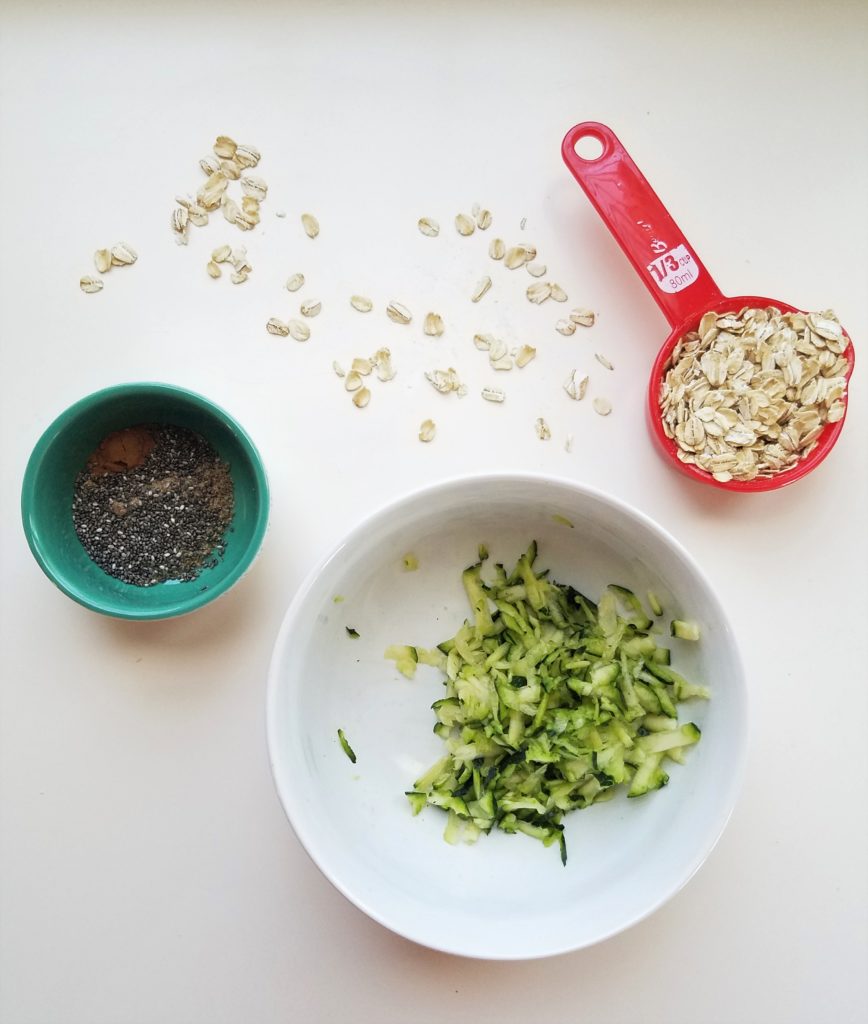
(506, 897)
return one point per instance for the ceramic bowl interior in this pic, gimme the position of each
(507, 897)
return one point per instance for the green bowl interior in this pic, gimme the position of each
(61, 454)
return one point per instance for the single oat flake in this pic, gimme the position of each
(464, 225)
(382, 360)
(398, 314)
(583, 317)
(224, 147)
(310, 225)
(493, 395)
(536, 269)
(361, 398)
(543, 431)
(558, 294)
(524, 355)
(565, 327)
(429, 227)
(427, 430)
(298, 330)
(102, 259)
(123, 255)
(254, 186)
(497, 249)
(361, 303)
(310, 308)
(213, 269)
(481, 288)
(295, 282)
(221, 254)
(433, 325)
(91, 284)
(539, 292)
(483, 219)
(603, 361)
(518, 255)
(446, 381)
(247, 156)
(576, 388)
(275, 326)
(602, 406)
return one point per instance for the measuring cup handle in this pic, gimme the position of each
(650, 238)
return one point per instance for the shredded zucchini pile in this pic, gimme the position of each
(551, 703)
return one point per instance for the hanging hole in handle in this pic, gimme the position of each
(589, 148)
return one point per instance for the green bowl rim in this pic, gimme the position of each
(171, 610)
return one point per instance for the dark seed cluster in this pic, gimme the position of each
(164, 519)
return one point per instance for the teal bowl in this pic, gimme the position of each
(61, 454)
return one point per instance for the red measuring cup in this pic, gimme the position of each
(676, 277)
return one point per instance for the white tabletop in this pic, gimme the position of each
(148, 871)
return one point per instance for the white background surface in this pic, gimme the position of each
(148, 873)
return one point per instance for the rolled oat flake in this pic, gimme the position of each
(153, 503)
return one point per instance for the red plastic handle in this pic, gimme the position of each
(650, 238)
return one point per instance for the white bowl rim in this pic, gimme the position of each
(308, 840)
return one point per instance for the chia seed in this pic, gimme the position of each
(164, 518)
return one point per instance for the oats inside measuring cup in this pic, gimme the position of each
(748, 394)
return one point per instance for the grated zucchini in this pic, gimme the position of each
(551, 703)
(345, 745)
